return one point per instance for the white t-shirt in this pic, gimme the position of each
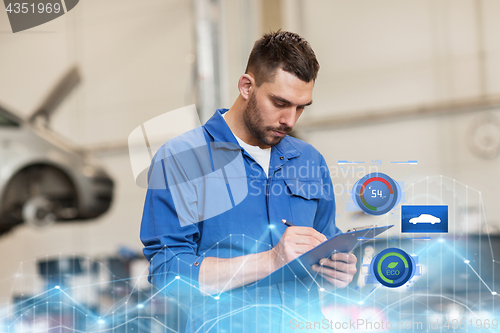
(261, 156)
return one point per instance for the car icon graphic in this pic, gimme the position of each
(425, 218)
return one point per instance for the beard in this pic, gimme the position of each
(255, 124)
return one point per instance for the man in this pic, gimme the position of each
(212, 220)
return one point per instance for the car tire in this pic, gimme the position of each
(27, 200)
(39, 211)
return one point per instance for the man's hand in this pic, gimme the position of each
(221, 274)
(295, 242)
(339, 270)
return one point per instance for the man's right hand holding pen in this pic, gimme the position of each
(221, 274)
(339, 269)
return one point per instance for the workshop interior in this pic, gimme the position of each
(406, 113)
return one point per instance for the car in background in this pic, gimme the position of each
(43, 179)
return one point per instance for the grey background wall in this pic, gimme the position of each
(137, 59)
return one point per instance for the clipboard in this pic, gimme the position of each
(300, 268)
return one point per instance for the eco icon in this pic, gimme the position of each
(393, 264)
(393, 267)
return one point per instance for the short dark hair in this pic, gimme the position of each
(285, 50)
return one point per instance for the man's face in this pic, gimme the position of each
(274, 107)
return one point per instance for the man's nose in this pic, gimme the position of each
(288, 117)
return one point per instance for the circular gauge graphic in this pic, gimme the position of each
(484, 136)
(392, 267)
(376, 193)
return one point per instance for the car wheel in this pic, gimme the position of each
(39, 211)
(38, 195)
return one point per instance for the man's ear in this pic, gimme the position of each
(245, 85)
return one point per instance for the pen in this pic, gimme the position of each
(362, 228)
(287, 223)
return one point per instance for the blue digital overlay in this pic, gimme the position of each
(424, 219)
(392, 267)
(376, 193)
